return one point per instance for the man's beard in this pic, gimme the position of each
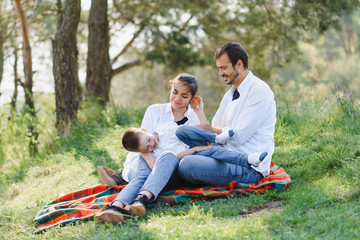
(233, 78)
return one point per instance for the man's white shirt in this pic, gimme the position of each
(252, 117)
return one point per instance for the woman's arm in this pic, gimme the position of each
(192, 151)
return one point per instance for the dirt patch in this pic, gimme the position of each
(262, 209)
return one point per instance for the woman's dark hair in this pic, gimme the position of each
(235, 52)
(189, 81)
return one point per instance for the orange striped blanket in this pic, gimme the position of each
(84, 203)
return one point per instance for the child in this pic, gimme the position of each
(150, 178)
(159, 147)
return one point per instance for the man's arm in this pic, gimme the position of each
(256, 109)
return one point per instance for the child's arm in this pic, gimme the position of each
(192, 151)
(150, 160)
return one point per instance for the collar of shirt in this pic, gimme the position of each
(169, 111)
(243, 84)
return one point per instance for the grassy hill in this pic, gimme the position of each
(317, 144)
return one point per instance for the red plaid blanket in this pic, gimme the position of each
(84, 203)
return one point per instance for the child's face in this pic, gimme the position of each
(147, 142)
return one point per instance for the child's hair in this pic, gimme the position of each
(189, 81)
(131, 139)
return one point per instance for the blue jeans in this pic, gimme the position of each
(194, 136)
(216, 166)
(146, 179)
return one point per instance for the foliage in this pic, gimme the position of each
(181, 34)
(316, 143)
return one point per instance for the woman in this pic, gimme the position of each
(183, 88)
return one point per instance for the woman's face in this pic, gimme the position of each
(180, 95)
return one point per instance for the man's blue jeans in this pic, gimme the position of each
(146, 179)
(216, 166)
(194, 136)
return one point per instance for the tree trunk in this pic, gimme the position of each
(27, 60)
(29, 100)
(16, 80)
(65, 65)
(98, 73)
(75, 53)
(1, 60)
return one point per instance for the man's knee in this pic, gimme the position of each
(181, 131)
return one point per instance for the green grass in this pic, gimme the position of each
(317, 144)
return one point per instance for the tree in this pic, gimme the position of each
(27, 59)
(186, 33)
(98, 72)
(65, 64)
(5, 26)
(16, 80)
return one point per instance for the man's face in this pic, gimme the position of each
(226, 70)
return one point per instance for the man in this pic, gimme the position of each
(248, 108)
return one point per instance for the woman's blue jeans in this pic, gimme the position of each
(216, 166)
(146, 179)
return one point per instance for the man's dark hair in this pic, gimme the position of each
(131, 139)
(235, 52)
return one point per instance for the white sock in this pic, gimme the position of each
(224, 136)
(256, 158)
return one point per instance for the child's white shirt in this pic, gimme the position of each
(168, 140)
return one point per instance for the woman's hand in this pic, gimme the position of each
(193, 150)
(197, 104)
(202, 148)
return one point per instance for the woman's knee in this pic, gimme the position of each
(186, 166)
(168, 157)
